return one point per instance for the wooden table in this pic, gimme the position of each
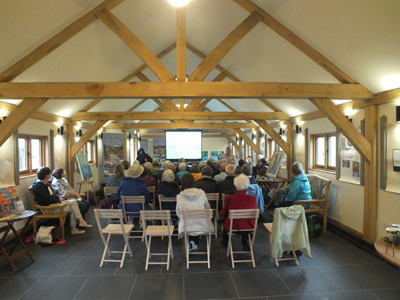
(8, 253)
(269, 183)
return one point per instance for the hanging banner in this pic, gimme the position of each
(113, 152)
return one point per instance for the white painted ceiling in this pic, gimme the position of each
(362, 37)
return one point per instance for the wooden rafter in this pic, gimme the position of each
(380, 98)
(79, 90)
(318, 114)
(274, 135)
(178, 116)
(234, 143)
(18, 116)
(292, 38)
(56, 41)
(196, 125)
(247, 140)
(154, 63)
(85, 138)
(337, 118)
(137, 105)
(209, 63)
(203, 104)
(269, 104)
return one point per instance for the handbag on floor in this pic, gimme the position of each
(43, 236)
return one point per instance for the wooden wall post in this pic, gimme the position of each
(370, 175)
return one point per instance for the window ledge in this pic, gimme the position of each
(323, 171)
(23, 176)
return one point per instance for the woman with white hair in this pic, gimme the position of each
(239, 200)
(168, 188)
(182, 170)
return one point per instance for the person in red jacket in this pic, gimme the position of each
(239, 200)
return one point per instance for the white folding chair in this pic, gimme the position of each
(168, 203)
(113, 229)
(134, 214)
(157, 230)
(236, 214)
(109, 191)
(200, 216)
(214, 197)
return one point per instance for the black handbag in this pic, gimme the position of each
(221, 220)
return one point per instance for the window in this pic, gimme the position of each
(90, 150)
(32, 153)
(324, 151)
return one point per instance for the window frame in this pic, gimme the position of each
(43, 153)
(92, 143)
(326, 166)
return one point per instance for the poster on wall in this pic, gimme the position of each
(113, 152)
(217, 155)
(204, 155)
(84, 167)
(159, 150)
(350, 162)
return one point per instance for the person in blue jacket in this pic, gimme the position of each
(300, 187)
(133, 185)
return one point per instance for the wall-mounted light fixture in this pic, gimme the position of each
(252, 136)
(179, 3)
(140, 138)
(298, 129)
(60, 130)
(101, 136)
(129, 136)
(351, 120)
(79, 132)
(261, 135)
(397, 113)
(281, 131)
(1, 120)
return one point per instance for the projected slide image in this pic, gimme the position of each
(186, 144)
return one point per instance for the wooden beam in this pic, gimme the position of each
(85, 138)
(91, 105)
(137, 105)
(274, 135)
(135, 44)
(79, 90)
(290, 143)
(247, 139)
(380, 98)
(189, 125)
(203, 104)
(318, 114)
(209, 63)
(230, 140)
(337, 118)
(371, 170)
(18, 116)
(90, 116)
(144, 66)
(296, 41)
(269, 104)
(167, 103)
(55, 41)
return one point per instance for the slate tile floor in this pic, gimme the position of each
(338, 270)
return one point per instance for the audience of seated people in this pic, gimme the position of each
(191, 198)
(239, 200)
(45, 196)
(63, 189)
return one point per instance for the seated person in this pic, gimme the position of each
(239, 200)
(63, 189)
(44, 195)
(206, 183)
(246, 171)
(148, 180)
(222, 175)
(256, 191)
(191, 198)
(227, 186)
(119, 174)
(155, 170)
(210, 163)
(300, 187)
(126, 165)
(239, 167)
(133, 185)
(168, 188)
(182, 170)
(262, 167)
(195, 171)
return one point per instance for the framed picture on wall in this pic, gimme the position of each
(396, 160)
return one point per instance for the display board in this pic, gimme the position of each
(275, 164)
(84, 166)
(113, 152)
(350, 162)
(393, 158)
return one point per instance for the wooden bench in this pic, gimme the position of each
(47, 212)
(320, 197)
